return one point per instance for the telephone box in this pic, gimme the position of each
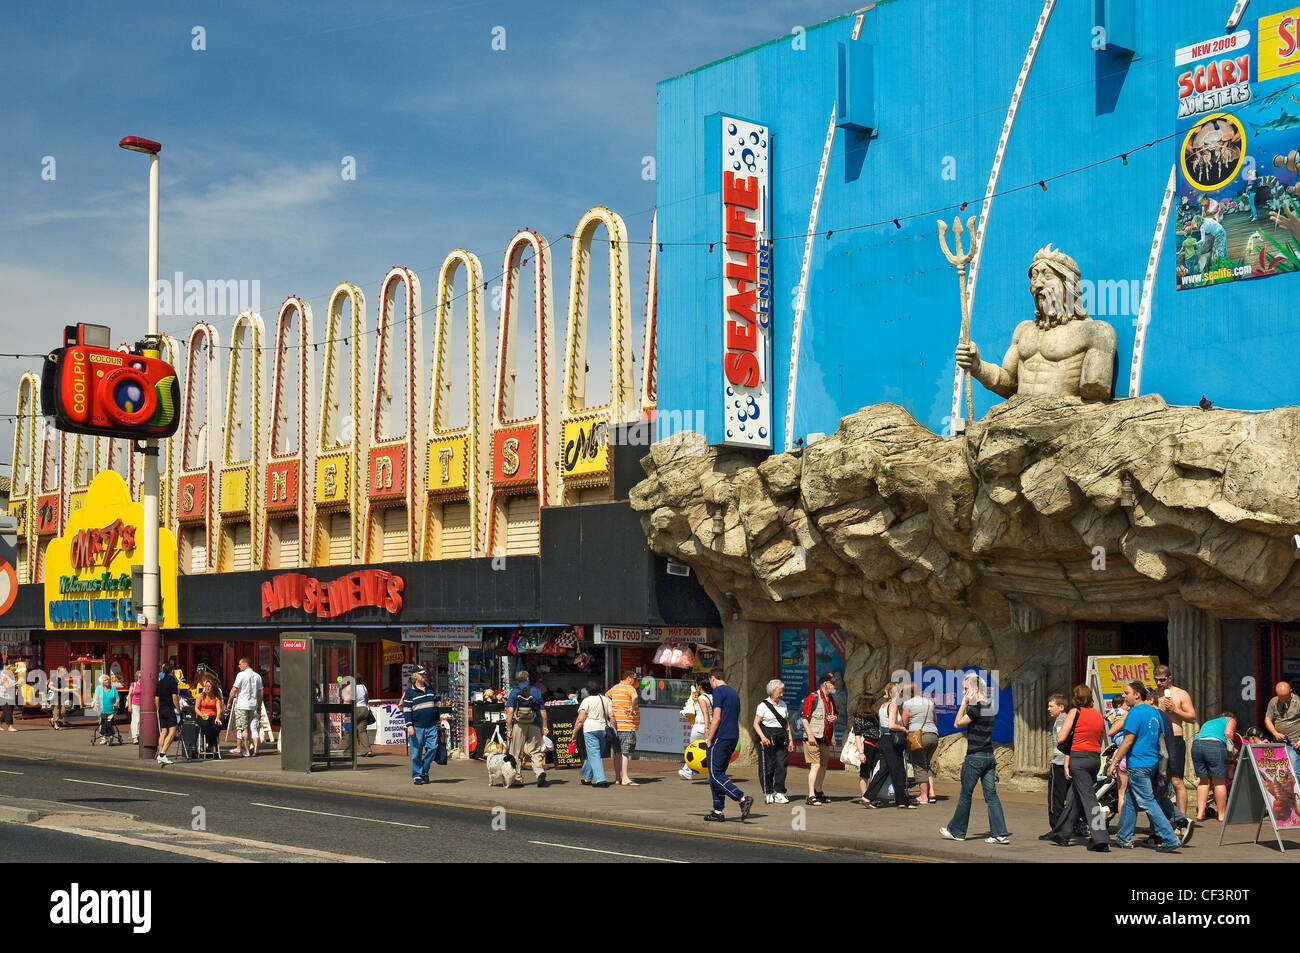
(315, 722)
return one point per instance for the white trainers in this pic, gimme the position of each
(163, 759)
(1004, 839)
(780, 799)
(943, 832)
(769, 798)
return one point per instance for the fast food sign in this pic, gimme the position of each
(746, 262)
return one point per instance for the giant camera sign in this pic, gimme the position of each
(91, 388)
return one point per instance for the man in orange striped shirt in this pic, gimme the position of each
(625, 703)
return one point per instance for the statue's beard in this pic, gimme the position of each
(1046, 321)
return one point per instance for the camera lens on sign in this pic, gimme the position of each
(128, 395)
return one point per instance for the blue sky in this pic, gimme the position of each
(455, 144)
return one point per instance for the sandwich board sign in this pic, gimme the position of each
(1265, 786)
(1109, 675)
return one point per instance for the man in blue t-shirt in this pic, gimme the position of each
(1143, 726)
(724, 734)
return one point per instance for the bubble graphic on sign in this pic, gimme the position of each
(762, 433)
(748, 158)
(731, 129)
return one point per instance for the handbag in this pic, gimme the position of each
(612, 745)
(495, 744)
(1065, 746)
(849, 756)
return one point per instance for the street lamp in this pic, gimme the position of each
(149, 607)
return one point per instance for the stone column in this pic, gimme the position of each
(1031, 740)
(747, 661)
(1195, 655)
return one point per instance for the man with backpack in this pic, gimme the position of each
(526, 726)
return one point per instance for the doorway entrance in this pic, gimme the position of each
(1119, 638)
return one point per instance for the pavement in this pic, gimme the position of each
(663, 802)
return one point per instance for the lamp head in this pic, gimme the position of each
(139, 144)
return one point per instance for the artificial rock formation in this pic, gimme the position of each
(981, 550)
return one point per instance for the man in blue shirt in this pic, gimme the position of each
(724, 735)
(420, 709)
(1143, 727)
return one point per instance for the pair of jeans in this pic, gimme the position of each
(1081, 803)
(421, 745)
(978, 768)
(1140, 796)
(722, 786)
(593, 769)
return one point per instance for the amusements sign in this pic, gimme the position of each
(1237, 214)
(746, 262)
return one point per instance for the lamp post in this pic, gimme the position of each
(149, 607)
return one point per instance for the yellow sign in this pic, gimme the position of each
(332, 479)
(18, 511)
(586, 450)
(234, 491)
(393, 653)
(1279, 45)
(447, 464)
(1114, 672)
(88, 568)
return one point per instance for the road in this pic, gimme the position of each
(259, 817)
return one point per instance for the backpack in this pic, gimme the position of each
(525, 706)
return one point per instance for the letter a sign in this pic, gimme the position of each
(746, 263)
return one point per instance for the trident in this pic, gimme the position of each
(961, 259)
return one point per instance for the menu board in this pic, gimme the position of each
(559, 723)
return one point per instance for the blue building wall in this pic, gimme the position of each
(883, 313)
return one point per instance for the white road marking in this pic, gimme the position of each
(10, 772)
(350, 817)
(593, 850)
(105, 784)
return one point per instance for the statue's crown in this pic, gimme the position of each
(1056, 258)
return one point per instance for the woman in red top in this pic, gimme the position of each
(209, 709)
(1083, 728)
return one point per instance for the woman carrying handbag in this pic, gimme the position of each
(922, 740)
(866, 735)
(589, 727)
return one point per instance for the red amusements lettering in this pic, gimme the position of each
(367, 588)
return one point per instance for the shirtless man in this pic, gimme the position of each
(1062, 352)
(1177, 704)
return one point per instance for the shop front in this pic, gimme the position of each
(91, 626)
(667, 659)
